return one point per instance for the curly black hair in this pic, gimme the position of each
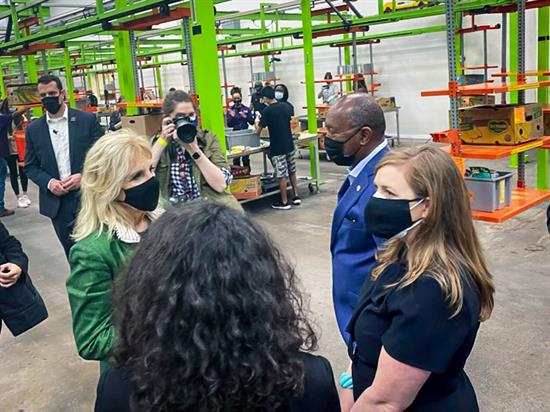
(209, 317)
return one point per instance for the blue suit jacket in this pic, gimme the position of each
(353, 249)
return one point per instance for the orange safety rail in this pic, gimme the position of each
(522, 199)
(261, 54)
(489, 152)
(33, 48)
(357, 43)
(529, 73)
(488, 88)
(545, 143)
(329, 10)
(227, 86)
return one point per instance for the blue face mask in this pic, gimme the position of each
(279, 95)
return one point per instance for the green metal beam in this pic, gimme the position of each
(2, 86)
(69, 78)
(158, 77)
(207, 73)
(513, 41)
(309, 70)
(543, 57)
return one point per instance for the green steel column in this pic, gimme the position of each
(264, 46)
(380, 6)
(2, 87)
(99, 6)
(33, 78)
(543, 64)
(69, 76)
(14, 19)
(159, 77)
(206, 69)
(513, 67)
(310, 87)
(124, 63)
(89, 82)
(347, 61)
(458, 44)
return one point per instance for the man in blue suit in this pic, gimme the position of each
(355, 138)
(57, 144)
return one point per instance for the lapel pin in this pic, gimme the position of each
(358, 188)
(73, 119)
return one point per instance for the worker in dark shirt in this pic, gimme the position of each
(256, 103)
(276, 117)
(92, 99)
(238, 117)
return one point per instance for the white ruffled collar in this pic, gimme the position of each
(129, 234)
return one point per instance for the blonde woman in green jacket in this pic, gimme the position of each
(119, 200)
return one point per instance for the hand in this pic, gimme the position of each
(243, 115)
(190, 148)
(9, 274)
(72, 182)
(346, 399)
(168, 129)
(57, 188)
(231, 113)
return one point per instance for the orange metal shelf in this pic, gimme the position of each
(364, 74)
(527, 74)
(546, 108)
(522, 199)
(494, 152)
(489, 88)
(545, 143)
(227, 86)
(151, 104)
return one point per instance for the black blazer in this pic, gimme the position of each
(21, 307)
(320, 394)
(40, 163)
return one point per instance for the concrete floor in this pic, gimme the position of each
(509, 366)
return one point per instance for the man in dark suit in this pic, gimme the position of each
(57, 144)
(355, 138)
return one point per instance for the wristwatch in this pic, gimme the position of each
(196, 155)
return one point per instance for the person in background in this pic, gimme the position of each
(329, 91)
(419, 313)
(172, 89)
(115, 120)
(281, 94)
(359, 85)
(189, 171)
(56, 145)
(233, 308)
(120, 196)
(239, 117)
(92, 99)
(21, 306)
(17, 170)
(355, 139)
(276, 117)
(7, 119)
(256, 101)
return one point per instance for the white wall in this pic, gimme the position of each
(406, 66)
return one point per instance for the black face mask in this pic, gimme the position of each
(335, 150)
(51, 104)
(144, 197)
(237, 102)
(387, 218)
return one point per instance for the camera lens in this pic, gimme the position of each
(185, 129)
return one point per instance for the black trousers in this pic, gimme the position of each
(246, 161)
(63, 223)
(16, 172)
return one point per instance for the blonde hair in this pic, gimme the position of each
(446, 245)
(107, 166)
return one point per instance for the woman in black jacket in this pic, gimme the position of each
(209, 318)
(21, 307)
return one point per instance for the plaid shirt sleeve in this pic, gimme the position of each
(228, 176)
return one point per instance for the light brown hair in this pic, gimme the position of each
(446, 245)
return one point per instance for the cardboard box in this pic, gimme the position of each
(546, 123)
(501, 124)
(246, 187)
(469, 101)
(22, 94)
(145, 126)
(386, 102)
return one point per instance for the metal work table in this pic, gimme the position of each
(312, 182)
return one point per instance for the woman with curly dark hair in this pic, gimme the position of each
(209, 318)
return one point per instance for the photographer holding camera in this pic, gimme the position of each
(189, 161)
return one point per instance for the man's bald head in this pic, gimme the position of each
(358, 110)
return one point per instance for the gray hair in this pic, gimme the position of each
(362, 110)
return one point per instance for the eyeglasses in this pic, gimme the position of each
(339, 136)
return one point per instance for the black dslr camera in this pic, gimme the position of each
(185, 129)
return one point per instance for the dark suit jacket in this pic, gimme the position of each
(353, 249)
(21, 307)
(40, 163)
